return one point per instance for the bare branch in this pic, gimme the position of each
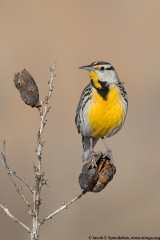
(14, 173)
(39, 174)
(11, 173)
(7, 212)
(43, 112)
(64, 206)
(43, 108)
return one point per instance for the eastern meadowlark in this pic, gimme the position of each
(102, 108)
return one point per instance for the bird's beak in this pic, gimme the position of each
(88, 67)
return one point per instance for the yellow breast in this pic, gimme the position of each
(106, 116)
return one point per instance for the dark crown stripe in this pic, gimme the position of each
(99, 63)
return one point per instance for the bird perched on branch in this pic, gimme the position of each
(102, 108)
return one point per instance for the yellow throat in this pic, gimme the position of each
(95, 79)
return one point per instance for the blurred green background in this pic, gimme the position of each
(126, 33)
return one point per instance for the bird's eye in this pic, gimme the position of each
(102, 68)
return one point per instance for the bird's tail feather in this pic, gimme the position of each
(87, 148)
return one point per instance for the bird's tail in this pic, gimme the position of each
(87, 148)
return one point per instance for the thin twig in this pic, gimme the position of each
(7, 212)
(22, 180)
(64, 206)
(15, 174)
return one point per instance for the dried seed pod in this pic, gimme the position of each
(27, 87)
(88, 177)
(95, 178)
(106, 171)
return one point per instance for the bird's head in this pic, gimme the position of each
(102, 74)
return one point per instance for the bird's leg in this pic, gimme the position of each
(92, 154)
(91, 148)
(105, 143)
(108, 150)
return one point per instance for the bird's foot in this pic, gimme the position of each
(94, 157)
